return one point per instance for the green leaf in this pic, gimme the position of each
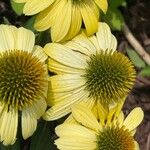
(117, 3)
(145, 72)
(114, 18)
(135, 58)
(15, 146)
(41, 139)
(17, 7)
(29, 24)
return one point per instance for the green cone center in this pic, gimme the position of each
(115, 139)
(109, 76)
(22, 78)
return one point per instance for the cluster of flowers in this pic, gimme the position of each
(91, 81)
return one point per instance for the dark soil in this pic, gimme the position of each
(137, 17)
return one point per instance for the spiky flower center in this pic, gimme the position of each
(22, 78)
(115, 139)
(109, 76)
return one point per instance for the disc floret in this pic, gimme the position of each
(109, 76)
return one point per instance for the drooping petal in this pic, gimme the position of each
(66, 82)
(39, 53)
(29, 124)
(37, 109)
(134, 119)
(105, 38)
(136, 145)
(85, 117)
(75, 24)
(103, 5)
(35, 6)
(8, 126)
(25, 40)
(75, 143)
(62, 22)
(69, 130)
(55, 66)
(45, 19)
(65, 56)
(89, 18)
(63, 106)
(7, 37)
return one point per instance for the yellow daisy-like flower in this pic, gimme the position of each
(65, 17)
(88, 69)
(105, 130)
(23, 82)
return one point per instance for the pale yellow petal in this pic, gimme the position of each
(75, 143)
(35, 6)
(103, 5)
(66, 82)
(136, 145)
(89, 18)
(25, 40)
(63, 106)
(65, 56)
(85, 117)
(29, 124)
(76, 130)
(134, 118)
(55, 66)
(62, 22)
(75, 24)
(45, 19)
(39, 53)
(7, 37)
(82, 44)
(8, 126)
(37, 109)
(105, 38)
(120, 119)
(102, 113)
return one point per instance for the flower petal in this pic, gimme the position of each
(35, 6)
(134, 118)
(64, 55)
(103, 5)
(85, 117)
(66, 82)
(62, 22)
(29, 124)
(37, 109)
(25, 39)
(136, 145)
(76, 130)
(75, 143)
(105, 38)
(63, 106)
(75, 24)
(7, 37)
(8, 126)
(39, 53)
(59, 68)
(89, 18)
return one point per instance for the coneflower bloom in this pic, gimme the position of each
(107, 129)
(23, 82)
(87, 69)
(65, 17)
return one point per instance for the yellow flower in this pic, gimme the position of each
(23, 82)
(88, 69)
(65, 17)
(105, 130)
